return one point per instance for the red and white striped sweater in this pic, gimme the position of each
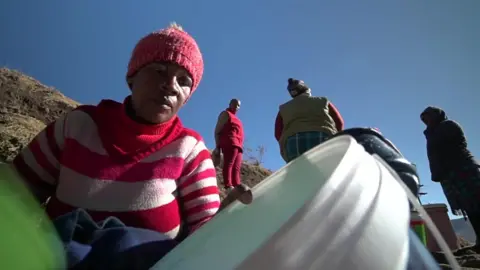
(157, 177)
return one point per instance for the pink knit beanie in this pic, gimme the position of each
(171, 44)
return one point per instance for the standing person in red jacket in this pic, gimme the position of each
(229, 140)
(305, 121)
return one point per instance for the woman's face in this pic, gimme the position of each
(425, 119)
(159, 90)
(296, 87)
(234, 105)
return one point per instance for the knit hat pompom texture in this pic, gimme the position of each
(171, 44)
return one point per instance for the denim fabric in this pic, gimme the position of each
(109, 244)
(301, 142)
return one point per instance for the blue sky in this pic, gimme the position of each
(380, 62)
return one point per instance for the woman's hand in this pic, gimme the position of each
(216, 156)
(242, 193)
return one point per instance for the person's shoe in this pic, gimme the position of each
(375, 143)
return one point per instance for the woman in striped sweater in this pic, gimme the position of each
(132, 160)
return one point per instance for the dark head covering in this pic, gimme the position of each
(435, 114)
(296, 87)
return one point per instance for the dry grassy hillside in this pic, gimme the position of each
(26, 106)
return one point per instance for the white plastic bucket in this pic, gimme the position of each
(335, 207)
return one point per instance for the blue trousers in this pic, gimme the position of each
(109, 244)
(301, 142)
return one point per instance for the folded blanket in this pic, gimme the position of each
(109, 244)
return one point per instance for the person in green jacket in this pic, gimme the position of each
(305, 121)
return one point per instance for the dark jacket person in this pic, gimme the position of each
(452, 164)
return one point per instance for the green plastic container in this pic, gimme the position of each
(28, 238)
(418, 225)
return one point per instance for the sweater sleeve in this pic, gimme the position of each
(435, 171)
(278, 127)
(440, 142)
(198, 188)
(38, 163)
(337, 117)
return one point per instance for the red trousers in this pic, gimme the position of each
(232, 162)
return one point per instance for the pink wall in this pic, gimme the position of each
(439, 214)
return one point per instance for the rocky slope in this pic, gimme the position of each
(467, 256)
(27, 106)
